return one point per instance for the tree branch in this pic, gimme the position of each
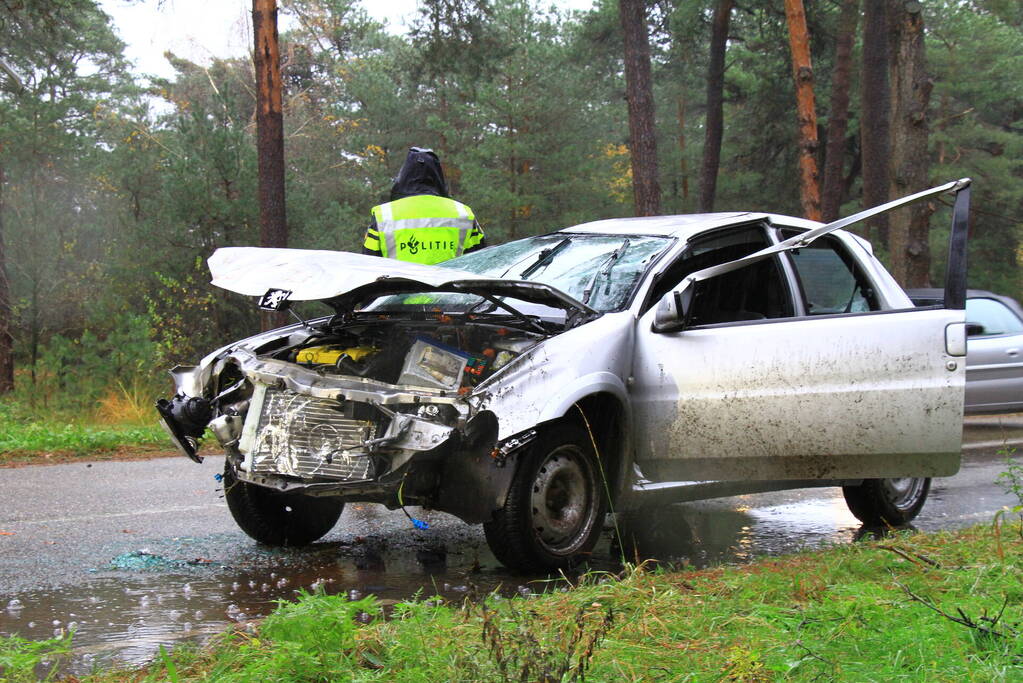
(963, 618)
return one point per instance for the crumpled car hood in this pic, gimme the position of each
(319, 275)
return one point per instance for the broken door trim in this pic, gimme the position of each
(955, 288)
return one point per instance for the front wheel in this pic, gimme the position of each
(275, 518)
(555, 507)
(887, 501)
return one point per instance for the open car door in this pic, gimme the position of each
(815, 393)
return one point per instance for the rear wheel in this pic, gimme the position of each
(276, 518)
(555, 506)
(887, 501)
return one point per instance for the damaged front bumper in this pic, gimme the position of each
(184, 418)
(291, 428)
(302, 435)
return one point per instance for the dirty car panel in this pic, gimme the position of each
(837, 398)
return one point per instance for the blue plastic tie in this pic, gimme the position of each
(419, 524)
(218, 476)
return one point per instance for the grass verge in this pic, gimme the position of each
(28, 435)
(934, 607)
(23, 441)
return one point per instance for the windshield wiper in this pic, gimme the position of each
(604, 270)
(527, 320)
(545, 257)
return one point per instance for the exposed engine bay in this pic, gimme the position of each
(451, 357)
(339, 409)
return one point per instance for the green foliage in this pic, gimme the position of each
(26, 431)
(1011, 478)
(540, 158)
(54, 207)
(93, 392)
(26, 661)
(73, 375)
(47, 437)
(179, 316)
(976, 133)
(525, 646)
(172, 670)
(314, 638)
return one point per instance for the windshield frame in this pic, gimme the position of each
(669, 243)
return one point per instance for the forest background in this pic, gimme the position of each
(115, 188)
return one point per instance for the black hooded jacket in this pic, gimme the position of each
(420, 174)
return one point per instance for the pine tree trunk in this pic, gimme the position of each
(909, 165)
(6, 336)
(715, 122)
(683, 163)
(874, 115)
(802, 72)
(273, 226)
(838, 121)
(646, 185)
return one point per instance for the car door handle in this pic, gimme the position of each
(1012, 352)
(955, 339)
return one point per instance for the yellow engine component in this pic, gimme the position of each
(359, 353)
(319, 355)
(328, 355)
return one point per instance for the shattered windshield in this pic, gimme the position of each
(602, 270)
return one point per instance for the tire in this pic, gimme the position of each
(278, 519)
(555, 507)
(891, 502)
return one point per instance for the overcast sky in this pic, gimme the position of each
(199, 30)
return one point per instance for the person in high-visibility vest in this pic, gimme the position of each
(422, 223)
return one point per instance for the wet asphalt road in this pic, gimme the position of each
(132, 555)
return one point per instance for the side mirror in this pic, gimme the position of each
(673, 311)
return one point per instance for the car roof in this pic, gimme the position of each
(683, 226)
(939, 293)
(936, 295)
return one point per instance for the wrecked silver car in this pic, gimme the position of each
(536, 385)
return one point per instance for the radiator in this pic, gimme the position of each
(308, 437)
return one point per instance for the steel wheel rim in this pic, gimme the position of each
(903, 492)
(562, 500)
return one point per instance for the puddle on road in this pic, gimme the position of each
(163, 594)
(152, 597)
(737, 530)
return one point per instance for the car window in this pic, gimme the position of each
(751, 293)
(578, 263)
(994, 317)
(830, 279)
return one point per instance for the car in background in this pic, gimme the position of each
(994, 349)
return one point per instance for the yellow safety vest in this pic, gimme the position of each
(423, 228)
